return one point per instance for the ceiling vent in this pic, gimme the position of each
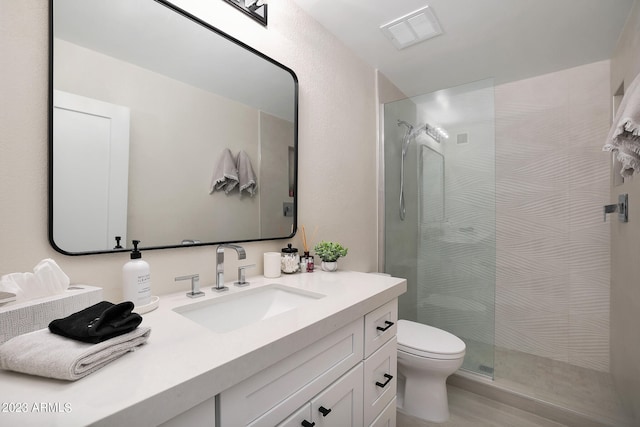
(412, 28)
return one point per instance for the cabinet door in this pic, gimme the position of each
(341, 403)
(380, 380)
(300, 418)
(387, 417)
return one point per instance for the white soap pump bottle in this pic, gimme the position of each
(136, 279)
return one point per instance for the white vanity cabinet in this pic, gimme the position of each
(347, 378)
(339, 405)
(380, 363)
(270, 396)
(201, 415)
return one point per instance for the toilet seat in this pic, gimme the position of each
(427, 341)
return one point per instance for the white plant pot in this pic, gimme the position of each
(329, 266)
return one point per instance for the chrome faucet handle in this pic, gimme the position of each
(241, 276)
(195, 285)
(220, 287)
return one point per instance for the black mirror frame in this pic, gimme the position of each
(197, 21)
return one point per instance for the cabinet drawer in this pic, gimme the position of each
(271, 395)
(380, 380)
(387, 418)
(379, 326)
(299, 417)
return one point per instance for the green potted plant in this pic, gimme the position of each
(329, 252)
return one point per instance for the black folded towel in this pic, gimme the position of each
(98, 323)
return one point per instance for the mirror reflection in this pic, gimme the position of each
(150, 107)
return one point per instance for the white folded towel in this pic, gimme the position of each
(624, 136)
(49, 355)
(245, 173)
(47, 279)
(225, 175)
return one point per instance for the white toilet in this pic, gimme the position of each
(426, 357)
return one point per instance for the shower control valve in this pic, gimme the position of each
(622, 207)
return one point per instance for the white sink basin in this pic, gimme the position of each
(233, 311)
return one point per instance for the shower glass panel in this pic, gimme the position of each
(445, 246)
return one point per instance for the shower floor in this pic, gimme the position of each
(585, 391)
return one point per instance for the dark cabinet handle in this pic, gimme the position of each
(384, 384)
(306, 423)
(324, 411)
(386, 322)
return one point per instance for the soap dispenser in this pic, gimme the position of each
(136, 278)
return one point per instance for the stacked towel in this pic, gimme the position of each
(48, 355)
(225, 175)
(624, 136)
(246, 175)
(97, 323)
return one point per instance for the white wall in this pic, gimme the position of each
(276, 137)
(168, 183)
(337, 145)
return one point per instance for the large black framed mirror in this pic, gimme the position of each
(148, 106)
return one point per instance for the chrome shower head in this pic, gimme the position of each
(407, 136)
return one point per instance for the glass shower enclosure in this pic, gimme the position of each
(439, 213)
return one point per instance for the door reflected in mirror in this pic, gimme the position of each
(145, 99)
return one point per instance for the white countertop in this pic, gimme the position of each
(184, 364)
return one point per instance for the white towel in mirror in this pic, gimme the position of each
(248, 181)
(225, 174)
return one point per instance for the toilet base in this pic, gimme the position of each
(423, 393)
(432, 404)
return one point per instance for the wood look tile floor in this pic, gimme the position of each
(472, 410)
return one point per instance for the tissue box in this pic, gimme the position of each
(29, 316)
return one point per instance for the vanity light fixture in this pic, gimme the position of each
(256, 9)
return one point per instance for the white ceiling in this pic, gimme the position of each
(502, 39)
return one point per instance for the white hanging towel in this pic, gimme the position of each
(624, 136)
(247, 177)
(225, 175)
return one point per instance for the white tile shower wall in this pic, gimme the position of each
(552, 247)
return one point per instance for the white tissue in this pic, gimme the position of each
(47, 279)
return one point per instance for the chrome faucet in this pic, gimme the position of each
(220, 264)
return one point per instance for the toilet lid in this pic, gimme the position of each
(427, 341)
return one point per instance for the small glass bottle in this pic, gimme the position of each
(303, 263)
(290, 260)
(310, 262)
